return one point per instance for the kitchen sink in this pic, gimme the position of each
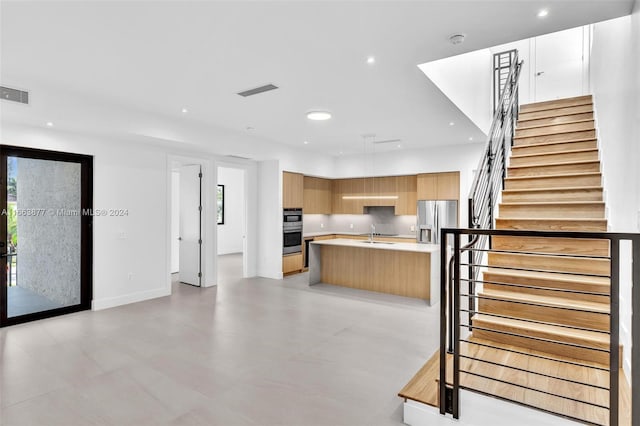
(376, 242)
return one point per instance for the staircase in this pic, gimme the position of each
(543, 309)
(553, 183)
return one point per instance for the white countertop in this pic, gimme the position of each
(343, 242)
(355, 234)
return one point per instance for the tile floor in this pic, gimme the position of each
(248, 352)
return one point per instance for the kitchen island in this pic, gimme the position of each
(403, 269)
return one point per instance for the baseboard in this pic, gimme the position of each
(112, 302)
(274, 275)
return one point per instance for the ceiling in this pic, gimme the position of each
(159, 57)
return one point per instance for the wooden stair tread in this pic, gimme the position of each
(592, 338)
(552, 203)
(538, 126)
(548, 301)
(515, 138)
(550, 276)
(560, 188)
(558, 142)
(569, 151)
(553, 176)
(556, 104)
(525, 122)
(560, 163)
(423, 386)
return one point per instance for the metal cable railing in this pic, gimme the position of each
(491, 170)
(555, 350)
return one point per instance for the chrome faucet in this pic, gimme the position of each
(373, 231)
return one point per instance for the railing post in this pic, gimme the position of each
(456, 326)
(443, 324)
(614, 330)
(635, 331)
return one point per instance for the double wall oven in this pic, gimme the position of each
(292, 231)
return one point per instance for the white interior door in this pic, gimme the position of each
(190, 225)
(561, 64)
(175, 222)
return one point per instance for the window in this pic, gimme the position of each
(220, 204)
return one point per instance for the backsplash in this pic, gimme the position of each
(382, 217)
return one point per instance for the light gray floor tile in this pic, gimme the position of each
(247, 352)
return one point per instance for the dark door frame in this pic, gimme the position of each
(86, 232)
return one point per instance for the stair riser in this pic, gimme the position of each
(554, 169)
(550, 195)
(548, 293)
(594, 225)
(554, 137)
(591, 320)
(551, 263)
(556, 147)
(551, 348)
(552, 245)
(558, 283)
(557, 103)
(565, 127)
(586, 211)
(557, 112)
(554, 182)
(561, 157)
(523, 124)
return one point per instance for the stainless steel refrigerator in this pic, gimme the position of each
(434, 215)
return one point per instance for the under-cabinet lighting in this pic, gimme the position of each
(369, 197)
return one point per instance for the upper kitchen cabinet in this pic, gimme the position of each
(407, 190)
(292, 190)
(343, 191)
(439, 186)
(317, 195)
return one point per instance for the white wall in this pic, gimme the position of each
(615, 66)
(270, 219)
(231, 233)
(466, 80)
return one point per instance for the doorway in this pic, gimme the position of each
(186, 224)
(46, 200)
(231, 224)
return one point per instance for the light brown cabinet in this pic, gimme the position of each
(292, 263)
(317, 195)
(292, 190)
(438, 186)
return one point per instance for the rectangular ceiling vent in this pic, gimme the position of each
(15, 95)
(387, 141)
(238, 157)
(257, 90)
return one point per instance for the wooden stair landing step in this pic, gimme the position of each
(423, 387)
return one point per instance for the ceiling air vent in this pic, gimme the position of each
(257, 90)
(15, 95)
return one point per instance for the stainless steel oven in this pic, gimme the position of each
(292, 231)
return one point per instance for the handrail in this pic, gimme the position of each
(461, 319)
(484, 189)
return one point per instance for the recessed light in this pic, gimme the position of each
(184, 110)
(340, 153)
(470, 138)
(306, 142)
(543, 13)
(399, 146)
(451, 123)
(318, 115)
(371, 60)
(49, 123)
